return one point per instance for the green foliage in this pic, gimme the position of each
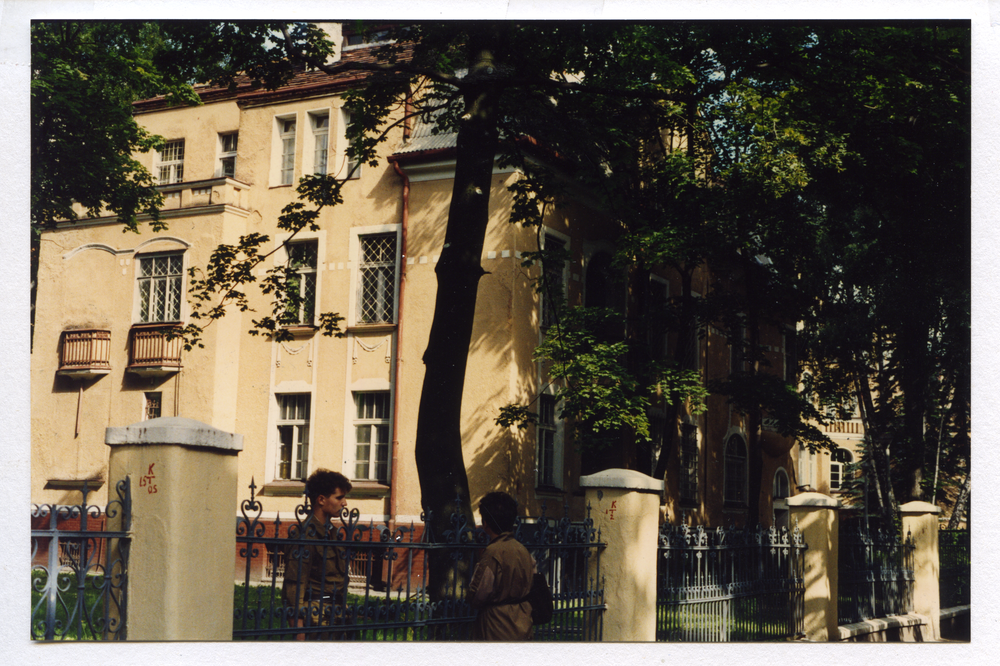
(84, 78)
(603, 399)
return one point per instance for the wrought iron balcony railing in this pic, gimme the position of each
(152, 351)
(85, 353)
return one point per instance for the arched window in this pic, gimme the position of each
(779, 488)
(838, 459)
(736, 471)
(779, 503)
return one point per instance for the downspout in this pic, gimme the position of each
(399, 340)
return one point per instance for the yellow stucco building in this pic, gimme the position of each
(106, 298)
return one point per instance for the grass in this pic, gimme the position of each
(265, 611)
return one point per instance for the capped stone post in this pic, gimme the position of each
(625, 507)
(818, 518)
(920, 521)
(183, 478)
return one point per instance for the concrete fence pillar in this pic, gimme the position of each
(183, 478)
(920, 521)
(625, 506)
(818, 519)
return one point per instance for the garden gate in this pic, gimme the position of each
(875, 574)
(729, 584)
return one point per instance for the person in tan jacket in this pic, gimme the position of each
(503, 576)
(316, 574)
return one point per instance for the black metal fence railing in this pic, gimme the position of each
(79, 569)
(875, 575)
(388, 567)
(955, 573)
(729, 584)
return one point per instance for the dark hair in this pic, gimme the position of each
(499, 511)
(325, 482)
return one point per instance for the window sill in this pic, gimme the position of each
(74, 484)
(549, 490)
(284, 489)
(371, 328)
(278, 187)
(368, 489)
(301, 330)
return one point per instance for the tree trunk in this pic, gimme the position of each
(444, 484)
(961, 503)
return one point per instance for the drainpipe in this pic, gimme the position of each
(399, 341)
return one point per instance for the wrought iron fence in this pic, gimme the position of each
(875, 574)
(729, 584)
(955, 575)
(387, 598)
(80, 569)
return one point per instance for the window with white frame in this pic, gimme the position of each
(170, 163)
(807, 463)
(293, 436)
(376, 278)
(372, 432)
(553, 281)
(286, 137)
(779, 485)
(227, 154)
(359, 39)
(301, 283)
(688, 478)
(351, 168)
(839, 459)
(549, 443)
(779, 502)
(321, 141)
(159, 279)
(735, 471)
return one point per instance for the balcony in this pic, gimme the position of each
(199, 197)
(151, 353)
(84, 353)
(212, 193)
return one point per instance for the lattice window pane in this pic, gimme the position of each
(160, 284)
(377, 274)
(144, 301)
